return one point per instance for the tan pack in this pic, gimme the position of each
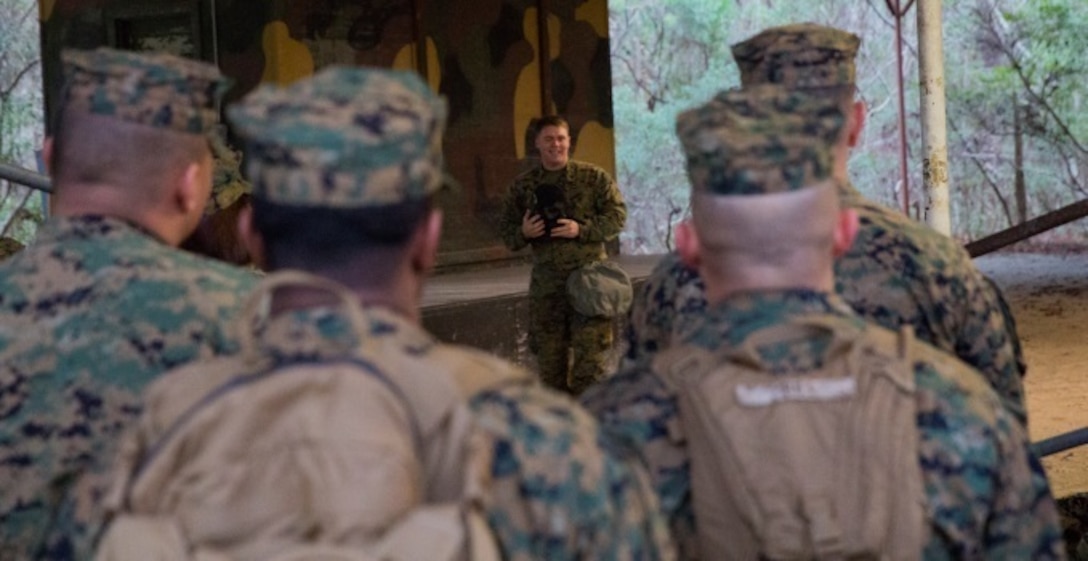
(448, 524)
(819, 465)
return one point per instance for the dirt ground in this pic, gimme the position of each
(1048, 292)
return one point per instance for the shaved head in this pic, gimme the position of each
(788, 235)
(140, 160)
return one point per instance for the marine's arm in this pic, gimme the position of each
(641, 333)
(987, 495)
(1010, 326)
(637, 411)
(1023, 522)
(670, 299)
(987, 339)
(652, 312)
(558, 489)
(609, 211)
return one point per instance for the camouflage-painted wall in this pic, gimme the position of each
(485, 56)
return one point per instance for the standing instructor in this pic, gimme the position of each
(566, 210)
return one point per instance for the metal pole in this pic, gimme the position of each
(544, 52)
(1061, 442)
(934, 120)
(898, 11)
(26, 177)
(903, 174)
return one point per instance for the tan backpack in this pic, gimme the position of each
(448, 526)
(818, 465)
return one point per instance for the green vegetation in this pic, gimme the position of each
(1011, 69)
(20, 114)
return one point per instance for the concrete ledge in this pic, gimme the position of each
(489, 309)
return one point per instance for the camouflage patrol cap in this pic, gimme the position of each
(348, 137)
(803, 55)
(228, 185)
(759, 140)
(154, 89)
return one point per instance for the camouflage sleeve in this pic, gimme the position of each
(986, 338)
(637, 411)
(641, 333)
(669, 302)
(1010, 326)
(1024, 522)
(986, 492)
(557, 489)
(513, 208)
(610, 212)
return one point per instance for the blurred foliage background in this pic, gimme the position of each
(21, 120)
(1015, 74)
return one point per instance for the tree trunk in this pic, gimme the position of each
(1018, 161)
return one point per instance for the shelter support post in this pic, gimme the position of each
(934, 120)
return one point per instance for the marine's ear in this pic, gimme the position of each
(425, 254)
(856, 123)
(190, 193)
(47, 154)
(846, 229)
(687, 244)
(251, 238)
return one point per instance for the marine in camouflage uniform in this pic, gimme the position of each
(217, 234)
(898, 272)
(352, 144)
(595, 204)
(228, 185)
(987, 496)
(101, 303)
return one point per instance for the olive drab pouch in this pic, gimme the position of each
(820, 464)
(161, 488)
(600, 289)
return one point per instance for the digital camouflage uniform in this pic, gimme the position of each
(228, 185)
(555, 329)
(552, 488)
(92, 311)
(987, 495)
(354, 138)
(217, 235)
(898, 271)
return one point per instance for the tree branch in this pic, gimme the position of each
(985, 175)
(1000, 42)
(18, 77)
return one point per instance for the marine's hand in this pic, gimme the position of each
(567, 228)
(532, 226)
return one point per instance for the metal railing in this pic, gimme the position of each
(21, 176)
(1061, 442)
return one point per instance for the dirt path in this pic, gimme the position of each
(1048, 293)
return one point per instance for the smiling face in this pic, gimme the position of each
(553, 142)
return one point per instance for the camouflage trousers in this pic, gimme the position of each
(556, 332)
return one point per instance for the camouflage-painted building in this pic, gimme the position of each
(499, 62)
